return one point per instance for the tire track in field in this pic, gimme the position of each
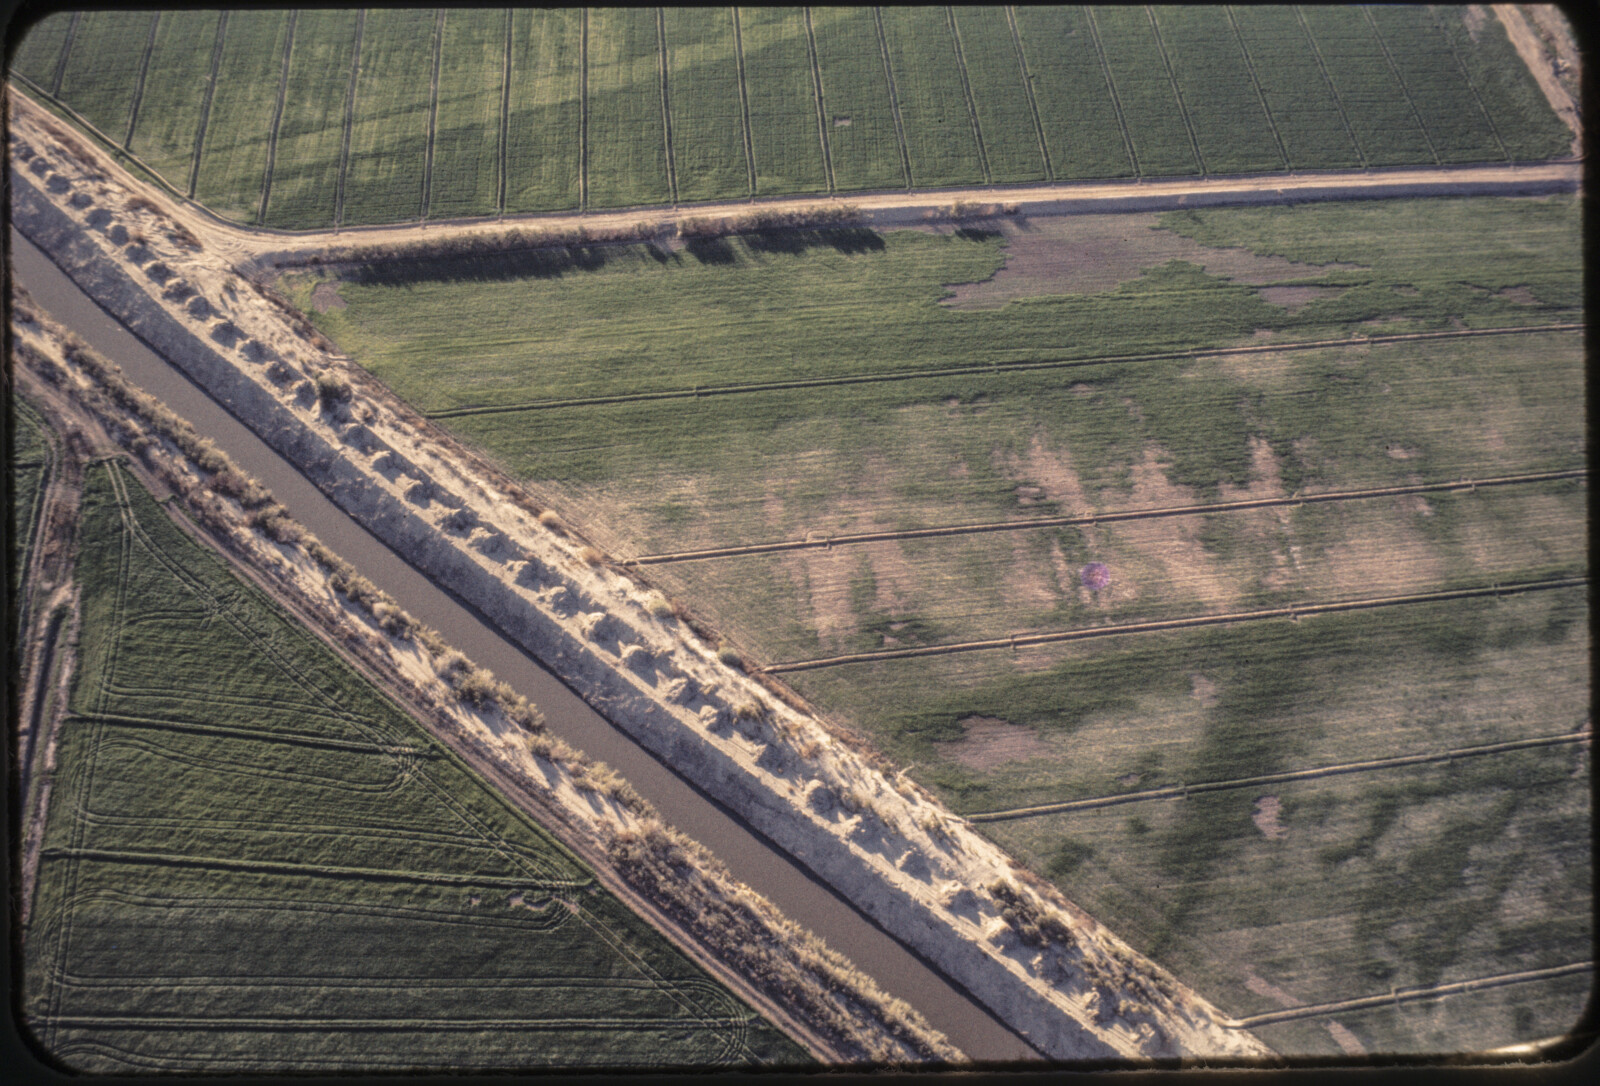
(205, 103)
(138, 86)
(1333, 91)
(966, 93)
(1027, 87)
(1293, 612)
(1250, 69)
(1177, 94)
(277, 118)
(325, 871)
(1111, 85)
(1340, 769)
(822, 110)
(257, 735)
(666, 110)
(1109, 517)
(744, 101)
(308, 1024)
(1405, 90)
(1000, 367)
(1396, 996)
(349, 122)
(66, 52)
(505, 118)
(433, 113)
(894, 96)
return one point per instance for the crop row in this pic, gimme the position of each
(545, 110)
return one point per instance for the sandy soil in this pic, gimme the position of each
(990, 742)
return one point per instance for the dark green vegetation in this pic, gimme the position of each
(253, 861)
(558, 109)
(1196, 882)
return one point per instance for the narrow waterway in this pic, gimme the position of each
(750, 856)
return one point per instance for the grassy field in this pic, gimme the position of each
(245, 832)
(928, 442)
(997, 94)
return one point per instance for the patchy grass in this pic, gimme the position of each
(268, 837)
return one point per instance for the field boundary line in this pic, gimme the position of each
(1177, 93)
(1396, 996)
(822, 109)
(1333, 91)
(1466, 77)
(1111, 85)
(277, 117)
(327, 871)
(1027, 88)
(349, 122)
(744, 102)
(1294, 612)
(966, 92)
(1110, 517)
(1394, 69)
(995, 367)
(1184, 790)
(433, 112)
(1255, 82)
(894, 96)
(666, 108)
(205, 103)
(66, 52)
(138, 86)
(583, 111)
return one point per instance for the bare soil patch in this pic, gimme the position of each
(1203, 690)
(1296, 298)
(1519, 294)
(326, 296)
(1087, 254)
(990, 742)
(1265, 817)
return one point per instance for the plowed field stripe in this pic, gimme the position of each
(1107, 517)
(1295, 611)
(1277, 778)
(1001, 367)
(256, 734)
(1408, 995)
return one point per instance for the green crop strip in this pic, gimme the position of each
(344, 893)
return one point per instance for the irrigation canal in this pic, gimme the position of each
(751, 857)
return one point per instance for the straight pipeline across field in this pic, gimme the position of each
(1108, 517)
(1294, 612)
(998, 367)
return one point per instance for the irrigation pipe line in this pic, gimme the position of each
(1109, 517)
(1295, 611)
(1001, 367)
(1408, 995)
(1185, 790)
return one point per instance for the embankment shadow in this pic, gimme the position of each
(543, 263)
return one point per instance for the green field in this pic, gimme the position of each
(255, 862)
(984, 94)
(900, 434)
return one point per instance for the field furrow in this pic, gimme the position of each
(1232, 130)
(863, 146)
(999, 95)
(305, 179)
(466, 142)
(39, 54)
(103, 67)
(940, 141)
(1443, 98)
(1077, 108)
(237, 159)
(1521, 116)
(627, 149)
(165, 132)
(704, 97)
(1149, 104)
(783, 102)
(1374, 101)
(389, 128)
(1307, 115)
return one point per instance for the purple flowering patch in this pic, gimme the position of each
(1095, 576)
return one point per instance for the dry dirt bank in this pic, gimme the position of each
(813, 993)
(1054, 974)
